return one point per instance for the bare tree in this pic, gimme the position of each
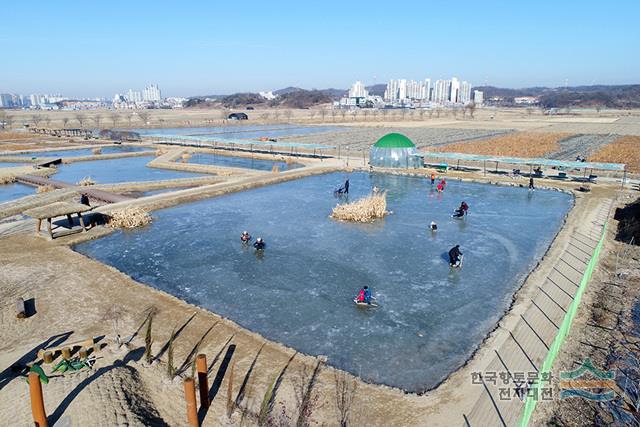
(47, 121)
(334, 113)
(384, 113)
(430, 112)
(438, 111)
(264, 116)
(144, 116)
(130, 118)
(288, 114)
(421, 113)
(365, 113)
(529, 111)
(454, 112)
(343, 113)
(412, 114)
(345, 393)
(36, 119)
(323, 113)
(114, 119)
(3, 118)
(65, 122)
(598, 108)
(97, 119)
(464, 112)
(472, 108)
(276, 114)
(80, 118)
(403, 113)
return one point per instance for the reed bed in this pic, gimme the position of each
(86, 181)
(45, 188)
(519, 144)
(97, 151)
(367, 209)
(7, 179)
(625, 149)
(129, 217)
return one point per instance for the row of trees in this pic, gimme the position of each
(80, 119)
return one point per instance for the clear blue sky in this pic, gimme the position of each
(99, 48)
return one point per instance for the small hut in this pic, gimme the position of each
(395, 150)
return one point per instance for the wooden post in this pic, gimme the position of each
(190, 397)
(37, 402)
(21, 311)
(47, 357)
(49, 228)
(70, 220)
(203, 382)
(84, 227)
(66, 353)
(38, 224)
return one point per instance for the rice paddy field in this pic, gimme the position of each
(362, 137)
(519, 144)
(625, 149)
(299, 290)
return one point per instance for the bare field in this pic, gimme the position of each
(520, 144)
(623, 150)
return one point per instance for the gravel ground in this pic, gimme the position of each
(583, 145)
(358, 138)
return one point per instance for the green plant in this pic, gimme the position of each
(267, 403)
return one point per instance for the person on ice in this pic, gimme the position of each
(454, 255)
(433, 226)
(531, 186)
(245, 237)
(259, 244)
(367, 295)
(462, 210)
(344, 189)
(361, 295)
(433, 178)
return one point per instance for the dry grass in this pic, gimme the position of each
(625, 149)
(519, 144)
(97, 150)
(186, 156)
(275, 168)
(45, 188)
(129, 217)
(366, 209)
(160, 152)
(86, 181)
(15, 135)
(7, 179)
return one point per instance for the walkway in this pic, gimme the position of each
(521, 355)
(92, 193)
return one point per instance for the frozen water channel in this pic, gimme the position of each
(300, 292)
(240, 162)
(117, 170)
(81, 152)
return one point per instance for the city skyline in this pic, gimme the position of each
(201, 49)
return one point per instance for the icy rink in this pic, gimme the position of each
(240, 162)
(300, 292)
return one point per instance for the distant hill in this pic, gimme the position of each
(618, 96)
(296, 98)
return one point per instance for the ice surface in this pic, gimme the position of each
(84, 152)
(116, 170)
(242, 132)
(300, 292)
(240, 162)
(14, 191)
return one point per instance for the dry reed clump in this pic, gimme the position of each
(86, 181)
(366, 209)
(625, 150)
(186, 156)
(97, 150)
(7, 179)
(45, 188)
(160, 152)
(275, 168)
(130, 217)
(519, 144)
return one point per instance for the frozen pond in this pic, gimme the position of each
(243, 131)
(84, 151)
(240, 162)
(14, 191)
(300, 291)
(12, 164)
(117, 170)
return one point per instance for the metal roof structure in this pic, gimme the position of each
(233, 141)
(562, 164)
(394, 140)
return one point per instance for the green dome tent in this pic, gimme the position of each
(395, 150)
